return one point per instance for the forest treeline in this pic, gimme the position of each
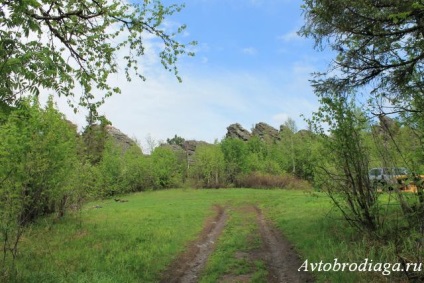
(47, 166)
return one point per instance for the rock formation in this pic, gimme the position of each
(238, 132)
(188, 149)
(266, 132)
(262, 130)
(119, 137)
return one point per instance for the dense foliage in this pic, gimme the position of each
(61, 45)
(38, 176)
(380, 55)
(379, 44)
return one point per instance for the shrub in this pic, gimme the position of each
(166, 171)
(137, 173)
(268, 181)
(208, 170)
(111, 170)
(38, 157)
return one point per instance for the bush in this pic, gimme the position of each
(137, 173)
(208, 170)
(269, 181)
(39, 161)
(124, 171)
(166, 171)
(111, 170)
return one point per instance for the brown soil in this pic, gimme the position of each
(281, 259)
(187, 267)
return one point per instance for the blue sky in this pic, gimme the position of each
(250, 67)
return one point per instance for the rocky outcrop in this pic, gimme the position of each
(119, 137)
(238, 132)
(283, 128)
(174, 147)
(191, 145)
(190, 149)
(304, 133)
(95, 137)
(262, 130)
(266, 132)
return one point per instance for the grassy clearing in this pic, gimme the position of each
(119, 242)
(134, 241)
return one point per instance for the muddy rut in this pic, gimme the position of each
(281, 259)
(187, 267)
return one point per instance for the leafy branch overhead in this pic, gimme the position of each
(379, 44)
(61, 45)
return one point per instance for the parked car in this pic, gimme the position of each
(389, 177)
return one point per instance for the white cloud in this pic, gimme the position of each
(204, 60)
(280, 118)
(207, 102)
(290, 36)
(249, 51)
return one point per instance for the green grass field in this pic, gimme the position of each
(134, 241)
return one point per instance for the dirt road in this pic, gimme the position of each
(281, 260)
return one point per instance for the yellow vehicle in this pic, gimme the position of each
(396, 177)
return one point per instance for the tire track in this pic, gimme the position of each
(281, 258)
(188, 266)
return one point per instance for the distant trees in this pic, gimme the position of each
(176, 140)
(94, 137)
(165, 168)
(257, 153)
(136, 173)
(209, 166)
(111, 170)
(289, 129)
(235, 156)
(124, 171)
(267, 157)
